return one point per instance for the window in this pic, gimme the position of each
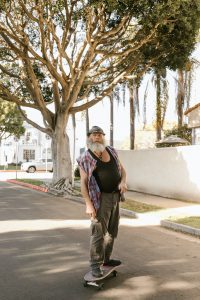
(28, 136)
(47, 137)
(28, 154)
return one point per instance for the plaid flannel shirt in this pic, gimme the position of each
(87, 163)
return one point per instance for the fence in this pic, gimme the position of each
(169, 172)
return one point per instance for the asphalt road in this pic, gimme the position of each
(44, 254)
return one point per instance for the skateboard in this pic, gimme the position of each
(90, 280)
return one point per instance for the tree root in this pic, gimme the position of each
(62, 188)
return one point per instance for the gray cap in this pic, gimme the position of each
(96, 129)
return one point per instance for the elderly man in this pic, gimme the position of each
(103, 182)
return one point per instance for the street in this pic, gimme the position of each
(44, 244)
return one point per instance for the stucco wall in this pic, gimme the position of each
(169, 172)
(194, 118)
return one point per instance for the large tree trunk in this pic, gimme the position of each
(62, 166)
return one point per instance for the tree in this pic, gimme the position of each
(175, 51)
(113, 97)
(184, 83)
(11, 121)
(182, 132)
(133, 86)
(56, 54)
(161, 85)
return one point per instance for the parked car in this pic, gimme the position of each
(39, 165)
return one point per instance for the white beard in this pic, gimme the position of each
(96, 147)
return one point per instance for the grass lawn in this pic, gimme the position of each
(10, 167)
(193, 221)
(31, 181)
(138, 206)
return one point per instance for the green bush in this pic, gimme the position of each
(183, 132)
(77, 172)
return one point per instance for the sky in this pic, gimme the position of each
(100, 113)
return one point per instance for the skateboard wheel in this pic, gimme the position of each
(85, 283)
(100, 287)
(114, 273)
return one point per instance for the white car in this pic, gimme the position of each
(39, 165)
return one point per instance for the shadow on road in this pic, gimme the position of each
(44, 244)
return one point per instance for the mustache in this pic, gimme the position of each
(96, 146)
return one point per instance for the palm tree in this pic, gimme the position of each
(111, 119)
(184, 82)
(115, 95)
(161, 85)
(180, 97)
(134, 105)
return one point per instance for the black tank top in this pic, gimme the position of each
(106, 174)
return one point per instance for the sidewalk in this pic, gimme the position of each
(169, 208)
(157, 200)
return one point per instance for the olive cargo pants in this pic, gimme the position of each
(104, 229)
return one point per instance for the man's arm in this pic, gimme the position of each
(122, 185)
(90, 210)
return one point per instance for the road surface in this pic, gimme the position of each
(44, 254)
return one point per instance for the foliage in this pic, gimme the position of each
(77, 172)
(11, 121)
(183, 132)
(73, 53)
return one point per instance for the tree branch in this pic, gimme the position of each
(45, 130)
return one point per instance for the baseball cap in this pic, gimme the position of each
(96, 129)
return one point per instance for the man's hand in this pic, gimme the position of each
(90, 210)
(122, 187)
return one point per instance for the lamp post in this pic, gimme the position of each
(46, 155)
(46, 148)
(16, 157)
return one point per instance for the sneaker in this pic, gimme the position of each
(97, 272)
(112, 263)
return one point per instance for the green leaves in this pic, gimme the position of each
(11, 121)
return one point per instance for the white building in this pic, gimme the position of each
(193, 115)
(33, 145)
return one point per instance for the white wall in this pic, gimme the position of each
(194, 118)
(169, 172)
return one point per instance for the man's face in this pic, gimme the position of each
(96, 137)
(96, 142)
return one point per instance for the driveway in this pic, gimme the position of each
(44, 254)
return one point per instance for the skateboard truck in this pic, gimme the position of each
(90, 280)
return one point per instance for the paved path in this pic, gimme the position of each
(44, 254)
(157, 200)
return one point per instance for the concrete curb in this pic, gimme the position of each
(28, 185)
(129, 213)
(180, 227)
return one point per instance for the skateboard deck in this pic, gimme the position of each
(90, 280)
